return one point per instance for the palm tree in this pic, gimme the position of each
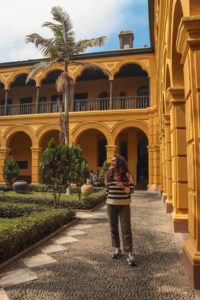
(61, 47)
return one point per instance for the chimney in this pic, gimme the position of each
(126, 38)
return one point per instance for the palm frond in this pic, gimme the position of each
(82, 45)
(93, 67)
(61, 84)
(38, 67)
(47, 46)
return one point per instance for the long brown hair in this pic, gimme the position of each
(121, 170)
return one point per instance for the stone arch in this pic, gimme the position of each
(78, 130)
(48, 72)
(127, 124)
(2, 140)
(97, 71)
(15, 129)
(176, 66)
(42, 131)
(15, 75)
(141, 64)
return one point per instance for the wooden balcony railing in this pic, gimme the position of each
(117, 103)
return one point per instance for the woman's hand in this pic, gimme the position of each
(120, 184)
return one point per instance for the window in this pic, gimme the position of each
(25, 106)
(80, 104)
(104, 101)
(42, 105)
(54, 104)
(22, 164)
(122, 100)
(2, 107)
(143, 91)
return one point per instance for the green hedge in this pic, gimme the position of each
(31, 229)
(72, 201)
(14, 210)
(43, 188)
(6, 188)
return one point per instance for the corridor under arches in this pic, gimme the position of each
(132, 144)
(93, 143)
(20, 140)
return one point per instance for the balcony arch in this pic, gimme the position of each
(19, 80)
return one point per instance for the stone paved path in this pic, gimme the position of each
(77, 264)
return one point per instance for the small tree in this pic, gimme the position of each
(10, 169)
(80, 169)
(55, 168)
(105, 168)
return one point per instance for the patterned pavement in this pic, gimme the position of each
(77, 264)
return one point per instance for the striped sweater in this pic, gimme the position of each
(117, 195)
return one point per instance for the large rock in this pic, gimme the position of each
(20, 186)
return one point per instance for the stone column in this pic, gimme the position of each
(168, 203)
(111, 150)
(149, 81)
(6, 103)
(151, 166)
(163, 163)
(156, 163)
(4, 152)
(37, 99)
(111, 94)
(36, 153)
(179, 159)
(188, 44)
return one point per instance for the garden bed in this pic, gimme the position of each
(46, 199)
(20, 233)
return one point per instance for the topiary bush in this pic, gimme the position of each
(10, 169)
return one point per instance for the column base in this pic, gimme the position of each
(164, 198)
(192, 270)
(180, 226)
(168, 207)
(3, 183)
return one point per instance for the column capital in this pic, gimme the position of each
(36, 149)
(111, 147)
(5, 150)
(188, 35)
(175, 95)
(166, 118)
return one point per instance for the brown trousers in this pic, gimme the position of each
(123, 212)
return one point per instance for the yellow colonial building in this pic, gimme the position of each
(147, 109)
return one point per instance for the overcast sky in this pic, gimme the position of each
(91, 18)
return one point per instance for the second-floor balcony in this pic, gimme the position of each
(117, 103)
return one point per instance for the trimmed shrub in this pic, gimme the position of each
(10, 169)
(13, 210)
(72, 201)
(30, 230)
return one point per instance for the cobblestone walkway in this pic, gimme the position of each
(77, 264)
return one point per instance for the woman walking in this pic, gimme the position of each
(119, 186)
